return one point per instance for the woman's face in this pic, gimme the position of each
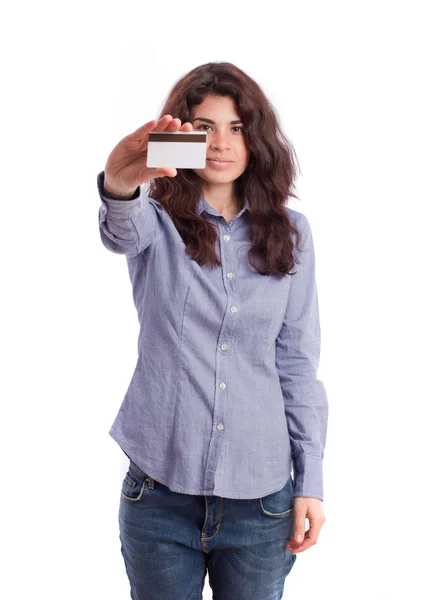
(225, 140)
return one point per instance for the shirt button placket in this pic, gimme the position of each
(224, 345)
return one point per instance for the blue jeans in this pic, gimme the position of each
(170, 540)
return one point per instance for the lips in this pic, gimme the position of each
(219, 160)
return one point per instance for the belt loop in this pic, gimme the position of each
(150, 482)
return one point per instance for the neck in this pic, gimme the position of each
(223, 203)
(222, 197)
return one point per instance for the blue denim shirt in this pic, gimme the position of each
(224, 399)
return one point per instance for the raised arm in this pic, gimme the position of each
(127, 219)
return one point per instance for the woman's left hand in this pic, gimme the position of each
(312, 509)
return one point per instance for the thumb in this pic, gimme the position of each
(299, 530)
(166, 171)
(147, 173)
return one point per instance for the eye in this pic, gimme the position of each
(236, 127)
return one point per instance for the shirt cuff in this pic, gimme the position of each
(105, 195)
(308, 480)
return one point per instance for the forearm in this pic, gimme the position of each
(126, 227)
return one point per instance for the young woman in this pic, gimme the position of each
(224, 400)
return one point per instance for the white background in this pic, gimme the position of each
(353, 84)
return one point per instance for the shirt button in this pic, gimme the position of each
(220, 426)
(224, 347)
(230, 275)
(233, 309)
(222, 385)
(226, 237)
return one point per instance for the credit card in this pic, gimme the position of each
(179, 149)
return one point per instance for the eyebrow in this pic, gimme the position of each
(212, 122)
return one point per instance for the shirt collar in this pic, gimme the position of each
(204, 205)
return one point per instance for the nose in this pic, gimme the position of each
(220, 141)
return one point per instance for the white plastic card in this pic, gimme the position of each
(179, 149)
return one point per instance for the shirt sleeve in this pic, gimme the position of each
(126, 226)
(297, 359)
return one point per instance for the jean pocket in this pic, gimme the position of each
(134, 486)
(279, 504)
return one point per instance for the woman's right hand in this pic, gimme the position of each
(126, 166)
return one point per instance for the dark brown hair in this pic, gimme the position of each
(267, 181)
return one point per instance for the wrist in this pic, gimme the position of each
(110, 190)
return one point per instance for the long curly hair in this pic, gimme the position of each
(267, 181)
